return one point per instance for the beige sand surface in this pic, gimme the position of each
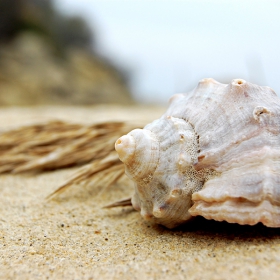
(74, 238)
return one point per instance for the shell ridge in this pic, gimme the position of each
(250, 213)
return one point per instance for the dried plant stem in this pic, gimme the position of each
(121, 203)
(103, 172)
(59, 144)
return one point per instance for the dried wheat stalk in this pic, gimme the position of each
(58, 144)
(101, 172)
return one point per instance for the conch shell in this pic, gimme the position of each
(214, 153)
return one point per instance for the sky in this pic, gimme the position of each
(167, 46)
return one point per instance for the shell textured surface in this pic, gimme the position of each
(214, 153)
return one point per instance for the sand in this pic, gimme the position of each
(72, 237)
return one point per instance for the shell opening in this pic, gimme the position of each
(238, 82)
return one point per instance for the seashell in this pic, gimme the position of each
(214, 153)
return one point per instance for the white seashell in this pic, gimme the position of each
(214, 153)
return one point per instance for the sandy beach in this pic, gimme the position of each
(73, 237)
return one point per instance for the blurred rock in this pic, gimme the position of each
(47, 58)
(31, 73)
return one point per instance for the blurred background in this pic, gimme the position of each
(99, 51)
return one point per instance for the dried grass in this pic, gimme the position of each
(59, 144)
